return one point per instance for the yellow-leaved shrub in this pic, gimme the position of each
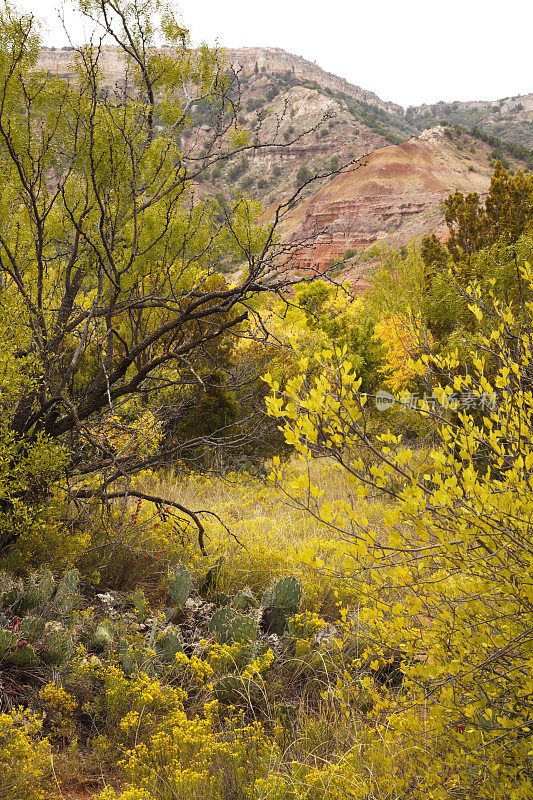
(449, 588)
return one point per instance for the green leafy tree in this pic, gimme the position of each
(111, 265)
(506, 214)
(331, 310)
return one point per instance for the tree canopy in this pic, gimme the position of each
(112, 289)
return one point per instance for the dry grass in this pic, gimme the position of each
(262, 534)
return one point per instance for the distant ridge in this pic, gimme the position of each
(509, 119)
(276, 60)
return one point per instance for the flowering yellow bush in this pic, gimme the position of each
(25, 766)
(122, 707)
(60, 707)
(228, 657)
(191, 760)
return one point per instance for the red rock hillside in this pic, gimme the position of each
(396, 197)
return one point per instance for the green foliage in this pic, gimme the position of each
(115, 316)
(505, 216)
(210, 583)
(254, 103)
(303, 175)
(429, 286)
(237, 170)
(332, 311)
(513, 148)
(179, 585)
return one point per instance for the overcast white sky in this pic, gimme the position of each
(408, 51)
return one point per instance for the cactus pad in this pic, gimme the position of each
(219, 623)
(23, 655)
(243, 629)
(229, 689)
(31, 628)
(8, 640)
(66, 596)
(273, 620)
(167, 646)
(179, 585)
(287, 594)
(244, 600)
(103, 636)
(39, 591)
(13, 596)
(127, 657)
(67, 585)
(212, 576)
(58, 645)
(140, 604)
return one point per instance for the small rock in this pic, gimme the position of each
(325, 634)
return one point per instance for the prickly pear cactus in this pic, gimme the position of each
(103, 636)
(40, 590)
(243, 629)
(244, 600)
(229, 689)
(220, 622)
(273, 620)
(167, 646)
(236, 689)
(279, 603)
(13, 596)
(58, 645)
(31, 628)
(212, 576)
(266, 598)
(287, 594)
(127, 657)
(66, 596)
(140, 604)
(179, 585)
(47, 586)
(23, 655)
(68, 584)
(8, 640)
